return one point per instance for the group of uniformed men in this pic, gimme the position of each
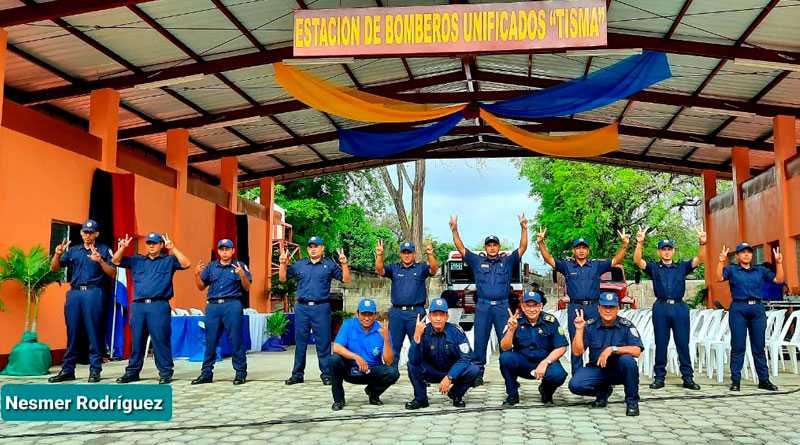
(365, 350)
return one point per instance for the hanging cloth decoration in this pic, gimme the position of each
(366, 144)
(351, 103)
(601, 88)
(582, 145)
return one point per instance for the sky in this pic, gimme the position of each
(486, 194)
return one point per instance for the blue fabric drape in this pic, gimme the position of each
(367, 144)
(598, 89)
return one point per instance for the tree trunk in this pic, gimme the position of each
(417, 192)
(28, 309)
(412, 227)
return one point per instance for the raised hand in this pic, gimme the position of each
(523, 221)
(238, 269)
(61, 248)
(702, 237)
(94, 255)
(428, 248)
(579, 321)
(513, 320)
(123, 243)
(625, 237)
(168, 244)
(342, 257)
(641, 234)
(379, 248)
(419, 328)
(723, 256)
(201, 266)
(384, 330)
(453, 222)
(541, 234)
(284, 256)
(776, 253)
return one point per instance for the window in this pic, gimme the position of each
(59, 231)
(758, 254)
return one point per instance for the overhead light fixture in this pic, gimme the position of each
(605, 52)
(170, 82)
(320, 61)
(724, 111)
(244, 120)
(766, 64)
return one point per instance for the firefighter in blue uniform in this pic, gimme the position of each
(362, 354)
(493, 273)
(532, 346)
(312, 309)
(582, 277)
(227, 279)
(614, 345)
(670, 312)
(151, 312)
(746, 314)
(83, 310)
(440, 353)
(409, 290)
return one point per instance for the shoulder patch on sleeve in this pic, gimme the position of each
(625, 322)
(464, 347)
(590, 321)
(549, 318)
(634, 332)
(460, 329)
(561, 330)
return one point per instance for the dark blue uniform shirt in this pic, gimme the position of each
(223, 281)
(537, 341)
(747, 283)
(447, 351)
(669, 280)
(492, 275)
(408, 283)
(598, 337)
(85, 272)
(314, 279)
(368, 345)
(583, 282)
(152, 278)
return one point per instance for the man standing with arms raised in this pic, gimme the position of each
(493, 274)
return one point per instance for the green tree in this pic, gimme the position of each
(594, 201)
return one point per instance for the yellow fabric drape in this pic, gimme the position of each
(584, 145)
(351, 103)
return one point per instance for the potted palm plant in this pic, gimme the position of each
(32, 271)
(276, 326)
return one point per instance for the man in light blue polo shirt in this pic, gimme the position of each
(362, 354)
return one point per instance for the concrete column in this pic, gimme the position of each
(178, 159)
(228, 177)
(267, 199)
(785, 142)
(104, 123)
(741, 173)
(3, 42)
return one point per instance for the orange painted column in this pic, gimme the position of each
(741, 173)
(178, 159)
(229, 180)
(104, 123)
(785, 142)
(709, 192)
(3, 42)
(267, 199)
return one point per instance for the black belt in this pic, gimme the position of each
(668, 300)
(408, 307)
(85, 287)
(150, 300)
(748, 301)
(584, 302)
(313, 302)
(221, 300)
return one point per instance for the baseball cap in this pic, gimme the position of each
(580, 241)
(743, 246)
(154, 237)
(608, 299)
(438, 305)
(317, 241)
(491, 239)
(90, 226)
(534, 296)
(367, 305)
(225, 243)
(408, 247)
(666, 243)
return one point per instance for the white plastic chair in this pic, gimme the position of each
(791, 345)
(716, 346)
(775, 322)
(706, 334)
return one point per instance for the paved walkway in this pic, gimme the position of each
(266, 411)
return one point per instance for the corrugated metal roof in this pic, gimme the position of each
(211, 95)
(780, 29)
(217, 137)
(688, 73)
(377, 71)
(668, 149)
(259, 83)
(263, 131)
(156, 103)
(692, 121)
(29, 77)
(739, 82)
(305, 122)
(629, 18)
(748, 127)
(785, 93)
(649, 115)
(718, 21)
(270, 21)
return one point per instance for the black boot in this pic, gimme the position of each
(240, 379)
(511, 400)
(690, 384)
(766, 384)
(94, 377)
(632, 409)
(337, 406)
(657, 384)
(546, 396)
(734, 385)
(62, 377)
(127, 378)
(293, 380)
(417, 404)
(326, 380)
(203, 379)
(165, 380)
(374, 399)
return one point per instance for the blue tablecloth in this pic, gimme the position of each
(188, 338)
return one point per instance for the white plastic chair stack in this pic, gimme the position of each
(709, 332)
(775, 321)
(717, 345)
(792, 344)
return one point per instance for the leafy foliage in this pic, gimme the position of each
(582, 200)
(32, 271)
(276, 325)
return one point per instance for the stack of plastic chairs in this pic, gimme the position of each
(775, 323)
(791, 344)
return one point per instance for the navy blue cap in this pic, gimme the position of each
(90, 226)
(225, 243)
(535, 296)
(438, 305)
(743, 246)
(367, 305)
(316, 241)
(579, 241)
(608, 299)
(154, 237)
(491, 239)
(408, 247)
(666, 243)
